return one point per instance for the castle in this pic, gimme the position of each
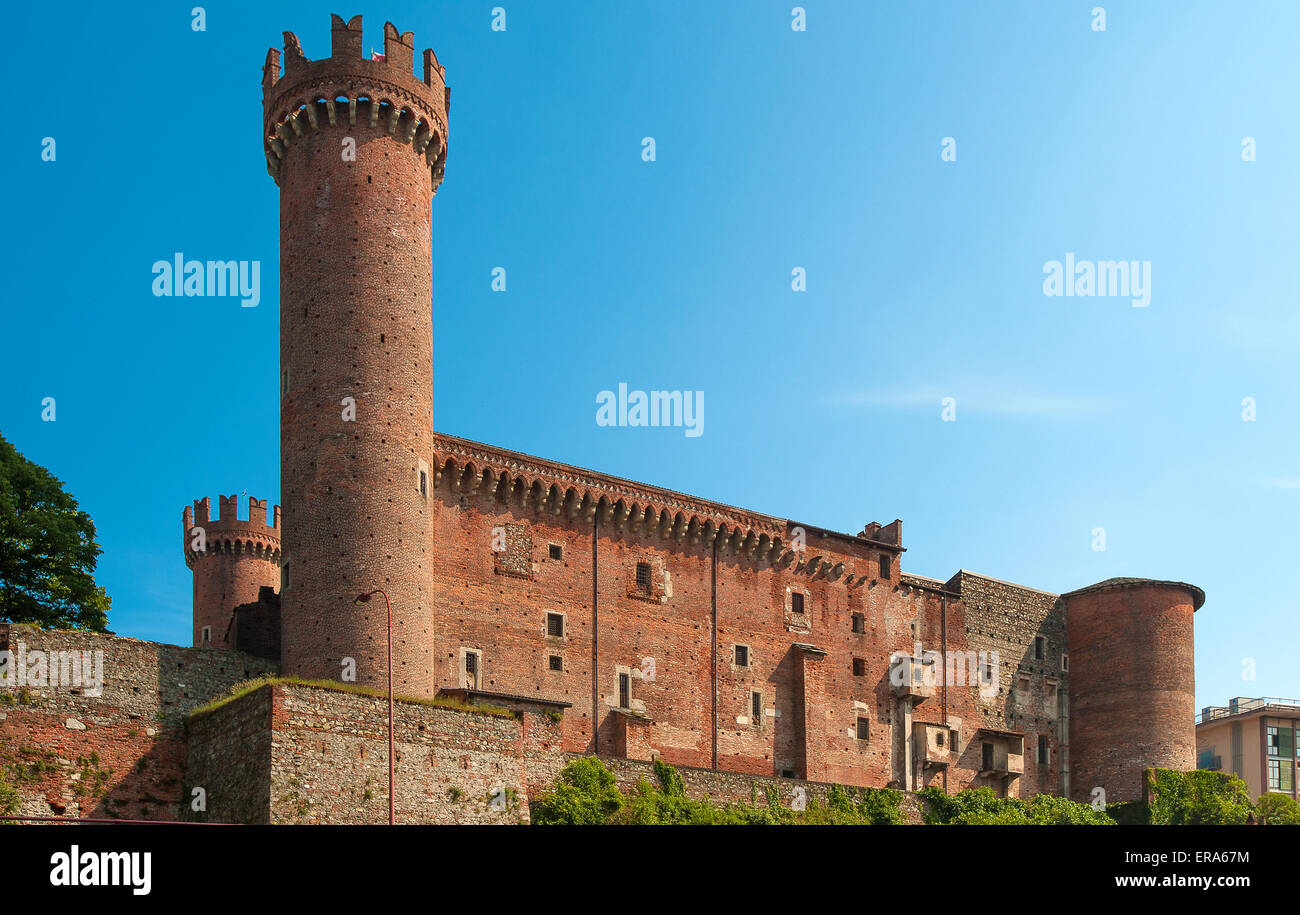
(631, 621)
(660, 623)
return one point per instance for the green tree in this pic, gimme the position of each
(47, 550)
(1278, 810)
(1197, 798)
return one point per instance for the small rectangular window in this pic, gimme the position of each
(796, 602)
(986, 756)
(885, 564)
(556, 551)
(624, 690)
(206, 635)
(1022, 686)
(555, 662)
(1042, 749)
(555, 625)
(643, 576)
(742, 655)
(859, 622)
(472, 669)
(1065, 662)
(864, 727)
(952, 739)
(859, 667)
(424, 483)
(756, 707)
(1040, 647)
(938, 739)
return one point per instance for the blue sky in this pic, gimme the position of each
(775, 149)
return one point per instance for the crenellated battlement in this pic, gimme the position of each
(348, 92)
(226, 534)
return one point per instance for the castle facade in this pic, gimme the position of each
(652, 623)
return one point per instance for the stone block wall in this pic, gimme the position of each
(118, 751)
(289, 753)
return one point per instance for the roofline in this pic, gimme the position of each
(1111, 584)
(1003, 581)
(624, 482)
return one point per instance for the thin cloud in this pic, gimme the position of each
(1002, 402)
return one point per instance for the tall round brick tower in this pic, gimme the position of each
(1132, 683)
(357, 148)
(231, 561)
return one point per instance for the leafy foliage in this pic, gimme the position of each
(1278, 810)
(1199, 797)
(981, 807)
(47, 550)
(586, 794)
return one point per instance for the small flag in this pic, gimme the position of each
(374, 56)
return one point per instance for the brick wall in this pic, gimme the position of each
(114, 752)
(1133, 703)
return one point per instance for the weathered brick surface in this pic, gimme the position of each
(356, 352)
(1133, 702)
(115, 752)
(1006, 618)
(723, 579)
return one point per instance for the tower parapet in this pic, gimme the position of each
(231, 560)
(346, 92)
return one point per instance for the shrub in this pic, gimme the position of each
(1278, 810)
(1199, 797)
(586, 795)
(981, 807)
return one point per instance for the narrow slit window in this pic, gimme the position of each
(624, 690)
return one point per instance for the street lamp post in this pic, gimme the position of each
(361, 599)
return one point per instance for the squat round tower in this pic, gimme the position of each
(231, 561)
(357, 148)
(1132, 683)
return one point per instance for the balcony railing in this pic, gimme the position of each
(1241, 707)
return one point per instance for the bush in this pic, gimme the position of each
(981, 807)
(586, 795)
(1197, 798)
(1278, 810)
